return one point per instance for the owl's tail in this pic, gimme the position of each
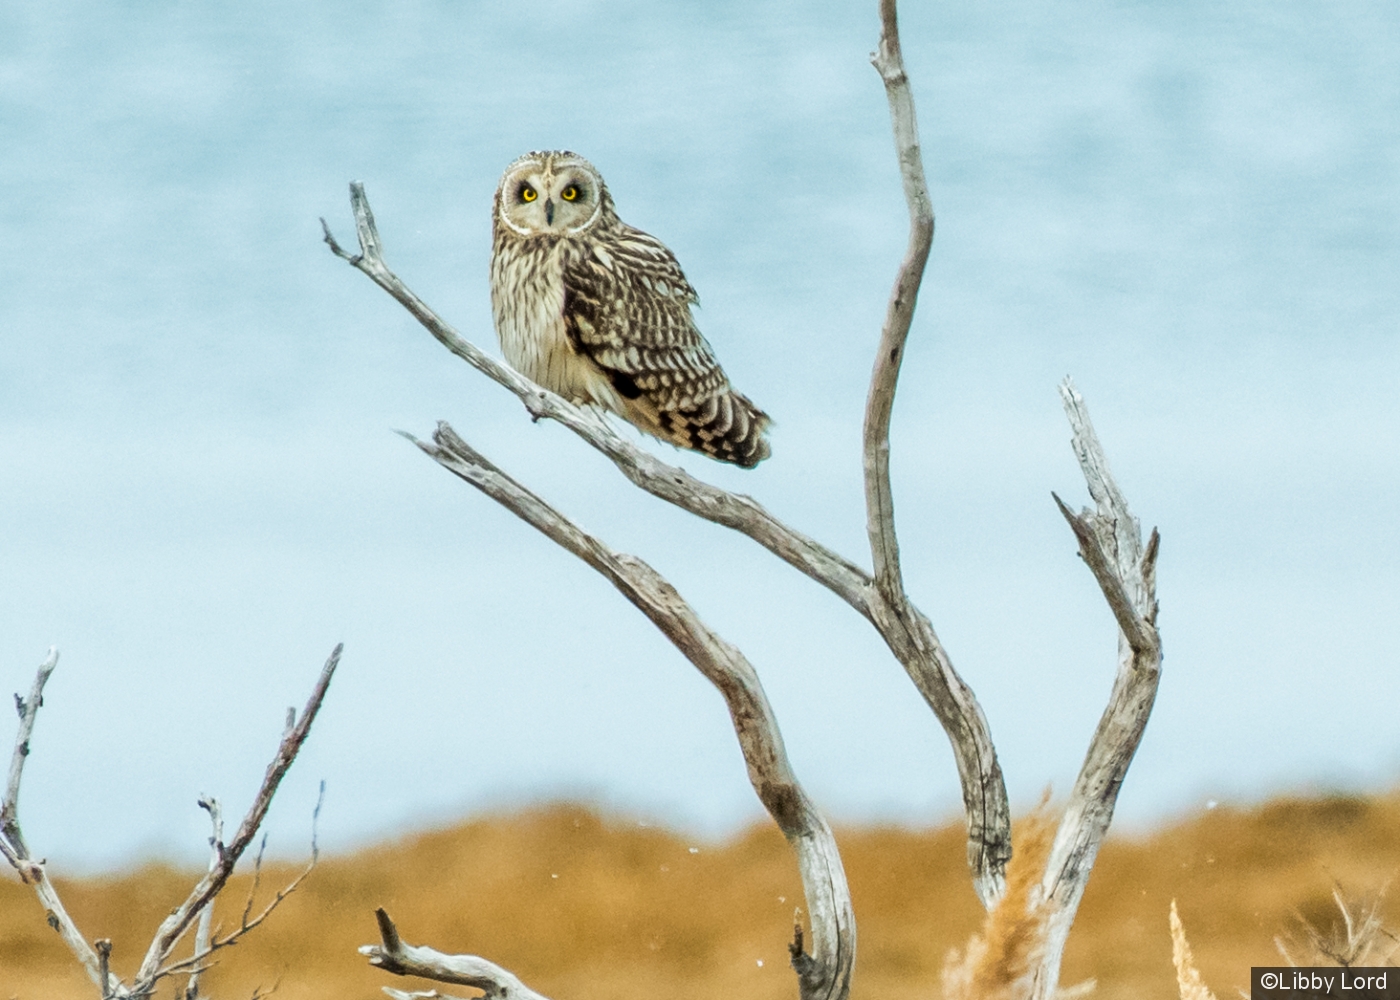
(727, 427)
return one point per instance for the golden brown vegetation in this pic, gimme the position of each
(999, 961)
(590, 908)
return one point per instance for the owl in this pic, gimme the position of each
(600, 312)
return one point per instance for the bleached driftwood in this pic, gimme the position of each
(1110, 542)
(904, 628)
(157, 963)
(1108, 539)
(824, 973)
(393, 955)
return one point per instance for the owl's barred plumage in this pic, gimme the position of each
(600, 312)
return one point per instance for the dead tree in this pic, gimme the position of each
(197, 909)
(1109, 541)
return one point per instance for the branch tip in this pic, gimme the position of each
(388, 933)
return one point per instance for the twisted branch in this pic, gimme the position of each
(905, 629)
(824, 973)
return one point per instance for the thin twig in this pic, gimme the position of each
(257, 880)
(216, 850)
(174, 926)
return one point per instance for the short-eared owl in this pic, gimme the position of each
(599, 312)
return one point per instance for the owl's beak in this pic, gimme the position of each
(549, 211)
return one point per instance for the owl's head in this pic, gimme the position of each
(556, 193)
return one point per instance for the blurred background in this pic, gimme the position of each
(1194, 209)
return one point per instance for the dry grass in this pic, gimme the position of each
(590, 908)
(1188, 977)
(999, 961)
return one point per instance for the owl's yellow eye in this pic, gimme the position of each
(527, 193)
(569, 193)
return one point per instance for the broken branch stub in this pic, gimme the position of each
(393, 955)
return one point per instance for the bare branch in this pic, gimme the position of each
(668, 482)
(879, 502)
(906, 631)
(393, 955)
(174, 926)
(826, 972)
(257, 879)
(16, 851)
(28, 711)
(1110, 542)
(197, 963)
(216, 851)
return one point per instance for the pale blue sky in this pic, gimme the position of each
(1194, 209)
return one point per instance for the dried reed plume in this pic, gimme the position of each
(1188, 977)
(1000, 960)
(1360, 940)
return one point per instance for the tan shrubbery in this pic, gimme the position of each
(634, 914)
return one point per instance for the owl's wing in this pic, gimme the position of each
(627, 307)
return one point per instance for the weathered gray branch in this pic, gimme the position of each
(11, 836)
(198, 904)
(202, 895)
(393, 955)
(824, 973)
(880, 599)
(14, 849)
(206, 919)
(1110, 541)
(906, 631)
(879, 501)
(668, 482)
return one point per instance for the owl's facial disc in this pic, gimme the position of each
(546, 196)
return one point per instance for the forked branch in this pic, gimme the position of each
(1108, 538)
(156, 965)
(202, 895)
(1110, 542)
(879, 598)
(904, 628)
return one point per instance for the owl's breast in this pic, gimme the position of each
(527, 301)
